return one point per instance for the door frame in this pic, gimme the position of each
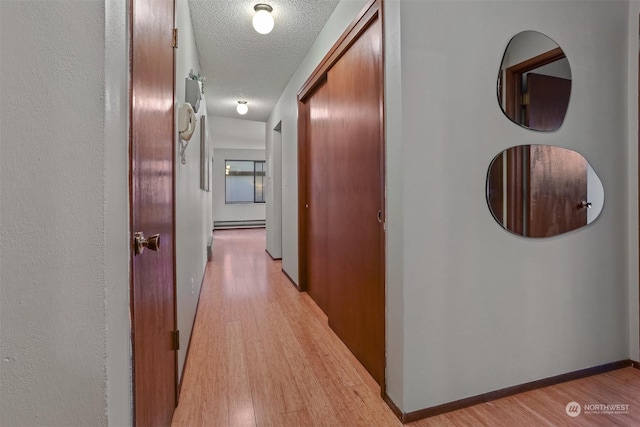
(371, 11)
(513, 80)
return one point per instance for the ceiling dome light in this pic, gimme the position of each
(242, 107)
(262, 20)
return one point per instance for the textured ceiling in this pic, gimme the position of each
(239, 63)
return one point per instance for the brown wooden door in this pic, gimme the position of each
(557, 187)
(517, 171)
(356, 293)
(548, 101)
(152, 211)
(342, 199)
(318, 208)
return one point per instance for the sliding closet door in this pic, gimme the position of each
(342, 199)
(319, 198)
(356, 292)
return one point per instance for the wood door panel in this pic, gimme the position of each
(516, 171)
(342, 177)
(318, 195)
(356, 294)
(152, 211)
(548, 101)
(555, 193)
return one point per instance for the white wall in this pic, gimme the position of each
(193, 205)
(394, 221)
(274, 191)
(235, 139)
(632, 194)
(63, 214)
(236, 133)
(473, 307)
(286, 111)
(234, 212)
(117, 233)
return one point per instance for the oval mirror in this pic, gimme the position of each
(534, 82)
(543, 191)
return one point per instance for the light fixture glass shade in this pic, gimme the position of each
(262, 20)
(242, 107)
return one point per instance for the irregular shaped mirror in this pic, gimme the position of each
(534, 82)
(543, 191)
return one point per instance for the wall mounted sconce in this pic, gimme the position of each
(263, 20)
(242, 108)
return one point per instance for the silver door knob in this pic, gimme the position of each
(139, 242)
(586, 205)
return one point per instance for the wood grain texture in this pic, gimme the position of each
(153, 211)
(557, 186)
(262, 354)
(341, 189)
(356, 195)
(548, 101)
(547, 406)
(319, 196)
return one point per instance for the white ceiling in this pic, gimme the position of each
(239, 63)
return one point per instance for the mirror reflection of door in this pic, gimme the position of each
(537, 82)
(557, 188)
(547, 101)
(543, 191)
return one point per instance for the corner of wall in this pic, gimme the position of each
(394, 209)
(634, 279)
(194, 217)
(119, 369)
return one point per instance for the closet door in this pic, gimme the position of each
(342, 197)
(356, 286)
(319, 198)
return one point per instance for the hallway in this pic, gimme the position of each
(263, 354)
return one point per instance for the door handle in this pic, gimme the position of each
(139, 242)
(379, 216)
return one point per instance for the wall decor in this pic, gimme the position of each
(543, 190)
(534, 82)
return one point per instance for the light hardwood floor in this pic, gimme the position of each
(262, 354)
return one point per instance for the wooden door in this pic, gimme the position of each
(548, 101)
(557, 187)
(517, 171)
(356, 293)
(319, 197)
(152, 211)
(342, 190)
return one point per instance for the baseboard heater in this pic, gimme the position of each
(250, 223)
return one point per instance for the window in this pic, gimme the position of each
(244, 181)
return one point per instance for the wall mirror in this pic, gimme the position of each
(534, 82)
(543, 190)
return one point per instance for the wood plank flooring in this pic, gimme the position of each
(262, 354)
